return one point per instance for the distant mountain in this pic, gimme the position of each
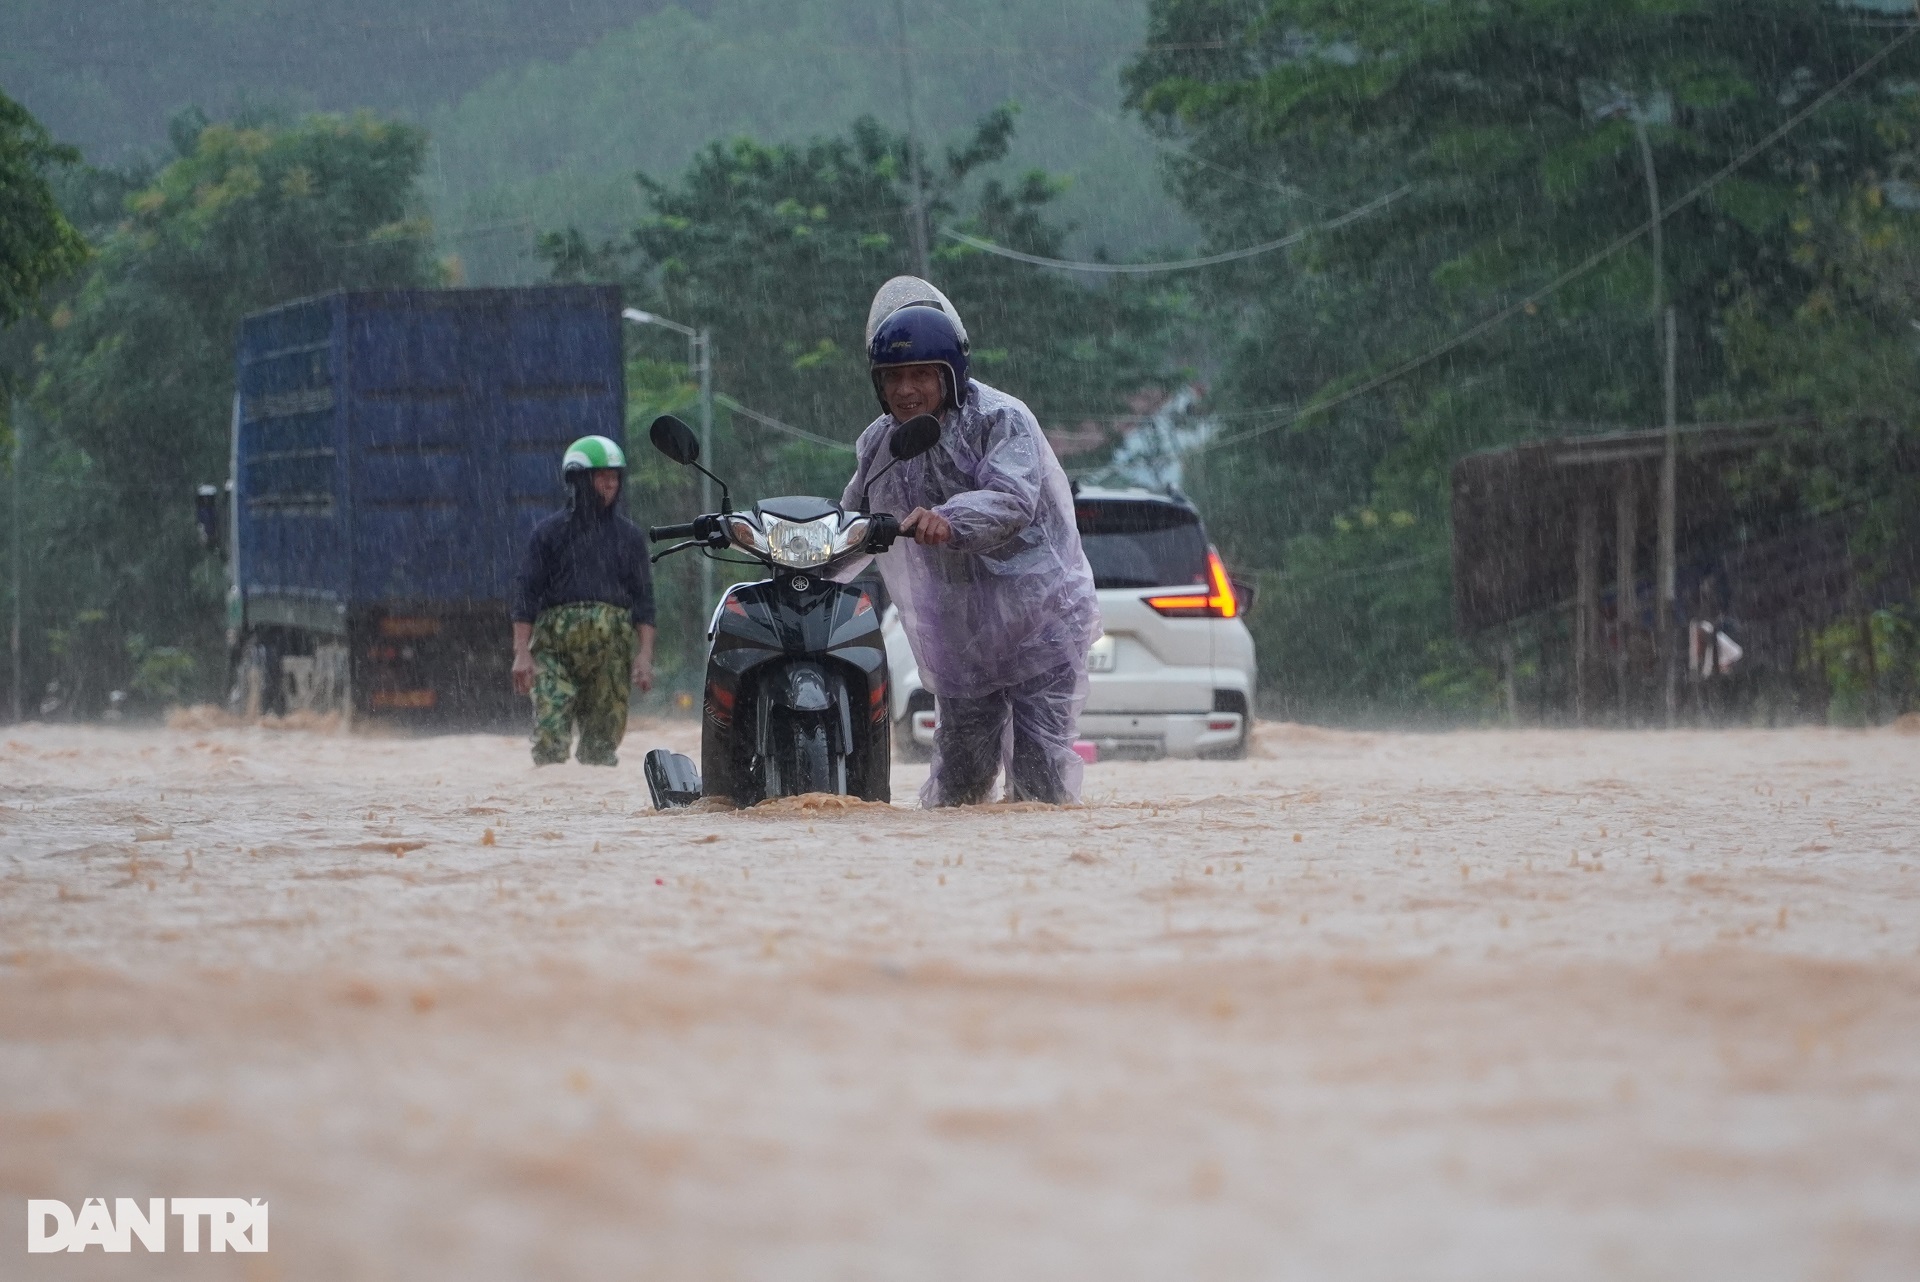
(557, 141)
(106, 74)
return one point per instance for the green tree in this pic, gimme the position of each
(1834, 347)
(136, 381)
(37, 244)
(1515, 129)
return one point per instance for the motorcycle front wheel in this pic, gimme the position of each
(801, 761)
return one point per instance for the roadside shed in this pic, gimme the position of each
(1568, 530)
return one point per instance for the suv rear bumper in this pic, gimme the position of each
(1153, 734)
(1174, 734)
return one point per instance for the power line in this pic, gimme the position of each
(1571, 274)
(774, 423)
(431, 233)
(1350, 572)
(1183, 264)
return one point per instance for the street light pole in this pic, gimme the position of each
(918, 230)
(700, 362)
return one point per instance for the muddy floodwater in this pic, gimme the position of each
(1475, 1006)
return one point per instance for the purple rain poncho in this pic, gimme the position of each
(1009, 603)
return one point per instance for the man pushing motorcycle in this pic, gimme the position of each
(995, 593)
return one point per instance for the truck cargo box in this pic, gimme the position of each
(392, 450)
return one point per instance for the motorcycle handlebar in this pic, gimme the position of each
(882, 531)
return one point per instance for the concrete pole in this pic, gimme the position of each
(1665, 347)
(1653, 205)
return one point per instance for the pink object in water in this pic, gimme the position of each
(1088, 751)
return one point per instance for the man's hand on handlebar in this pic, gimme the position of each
(928, 528)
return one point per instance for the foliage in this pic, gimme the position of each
(1515, 128)
(1835, 344)
(163, 675)
(135, 380)
(1871, 664)
(779, 249)
(1346, 630)
(37, 244)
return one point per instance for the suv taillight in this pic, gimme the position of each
(1219, 603)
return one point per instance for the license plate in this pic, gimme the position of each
(1100, 658)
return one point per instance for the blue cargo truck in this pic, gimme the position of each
(392, 450)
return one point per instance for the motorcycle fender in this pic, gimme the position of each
(803, 687)
(808, 687)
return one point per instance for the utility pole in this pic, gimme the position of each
(918, 230)
(1666, 347)
(1653, 206)
(1669, 483)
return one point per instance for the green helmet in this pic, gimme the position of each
(591, 453)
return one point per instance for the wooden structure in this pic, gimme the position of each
(1570, 527)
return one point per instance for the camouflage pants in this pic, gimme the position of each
(582, 673)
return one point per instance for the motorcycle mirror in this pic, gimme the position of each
(914, 437)
(909, 440)
(675, 440)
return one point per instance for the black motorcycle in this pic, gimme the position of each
(796, 697)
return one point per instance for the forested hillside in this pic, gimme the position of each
(539, 118)
(557, 142)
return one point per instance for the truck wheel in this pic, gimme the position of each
(259, 686)
(905, 746)
(243, 694)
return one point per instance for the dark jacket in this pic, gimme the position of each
(586, 553)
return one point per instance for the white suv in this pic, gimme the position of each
(1173, 673)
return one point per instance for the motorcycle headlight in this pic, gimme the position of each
(801, 545)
